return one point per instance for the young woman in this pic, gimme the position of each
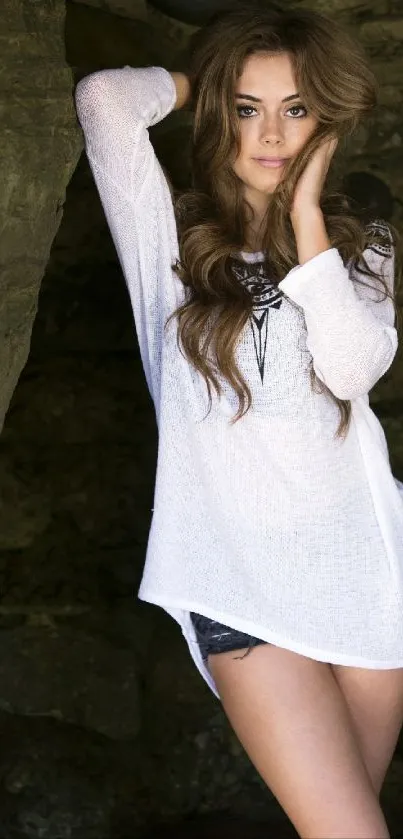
(264, 312)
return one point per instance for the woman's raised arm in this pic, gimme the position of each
(115, 109)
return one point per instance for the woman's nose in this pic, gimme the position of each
(271, 130)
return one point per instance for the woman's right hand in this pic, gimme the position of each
(183, 90)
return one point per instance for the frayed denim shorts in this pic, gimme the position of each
(214, 637)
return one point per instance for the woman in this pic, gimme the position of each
(265, 314)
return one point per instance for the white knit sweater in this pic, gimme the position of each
(271, 526)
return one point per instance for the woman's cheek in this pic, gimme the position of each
(248, 133)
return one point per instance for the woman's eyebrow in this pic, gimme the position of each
(255, 99)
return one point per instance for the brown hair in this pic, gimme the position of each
(339, 89)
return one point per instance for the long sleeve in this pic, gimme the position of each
(115, 109)
(350, 327)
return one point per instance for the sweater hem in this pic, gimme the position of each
(180, 608)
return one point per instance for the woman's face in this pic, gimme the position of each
(270, 126)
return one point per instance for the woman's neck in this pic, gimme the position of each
(254, 236)
(253, 245)
(258, 204)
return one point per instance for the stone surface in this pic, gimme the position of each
(97, 40)
(59, 781)
(38, 663)
(173, 37)
(40, 148)
(223, 826)
(24, 502)
(349, 10)
(196, 12)
(131, 9)
(381, 31)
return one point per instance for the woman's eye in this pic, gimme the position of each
(298, 108)
(242, 108)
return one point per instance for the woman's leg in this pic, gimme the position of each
(292, 720)
(375, 702)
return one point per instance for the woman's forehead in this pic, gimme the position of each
(268, 74)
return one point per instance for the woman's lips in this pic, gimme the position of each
(271, 163)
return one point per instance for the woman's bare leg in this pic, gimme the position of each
(292, 720)
(375, 701)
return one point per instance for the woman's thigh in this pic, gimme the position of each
(292, 720)
(375, 702)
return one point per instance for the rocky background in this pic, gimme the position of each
(107, 730)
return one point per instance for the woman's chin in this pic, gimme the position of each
(267, 189)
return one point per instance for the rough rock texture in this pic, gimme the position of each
(96, 40)
(36, 663)
(40, 148)
(129, 9)
(107, 730)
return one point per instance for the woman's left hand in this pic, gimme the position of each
(309, 187)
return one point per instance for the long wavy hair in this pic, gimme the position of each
(339, 89)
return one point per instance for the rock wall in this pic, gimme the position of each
(107, 729)
(41, 144)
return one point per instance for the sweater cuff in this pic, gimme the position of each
(298, 283)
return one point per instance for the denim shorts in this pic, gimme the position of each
(214, 637)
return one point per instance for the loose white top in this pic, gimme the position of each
(271, 526)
